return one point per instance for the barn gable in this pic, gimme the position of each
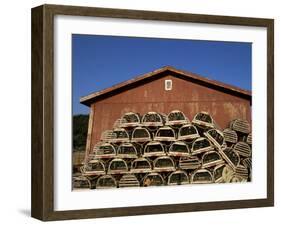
(161, 73)
(163, 91)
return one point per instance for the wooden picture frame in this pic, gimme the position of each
(42, 203)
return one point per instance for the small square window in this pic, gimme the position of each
(168, 84)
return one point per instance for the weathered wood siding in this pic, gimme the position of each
(185, 96)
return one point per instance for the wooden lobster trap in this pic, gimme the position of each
(216, 137)
(247, 162)
(163, 164)
(230, 156)
(154, 148)
(176, 118)
(237, 179)
(241, 172)
(115, 136)
(179, 148)
(130, 119)
(117, 166)
(129, 180)
(202, 176)
(188, 132)
(106, 181)
(178, 177)
(211, 158)
(120, 135)
(249, 139)
(241, 126)
(152, 120)
(93, 167)
(107, 136)
(203, 119)
(230, 136)
(140, 135)
(201, 145)
(103, 150)
(81, 182)
(227, 174)
(189, 162)
(153, 179)
(165, 133)
(243, 149)
(218, 173)
(127, 150)
(141, 165)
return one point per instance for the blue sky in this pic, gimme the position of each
(99, 62)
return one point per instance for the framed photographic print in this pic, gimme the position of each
(141, 112)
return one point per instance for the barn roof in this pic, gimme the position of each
(159, 73)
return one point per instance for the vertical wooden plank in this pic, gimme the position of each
(270, 112)
(37, 113)
(48, 120)
(42, 114)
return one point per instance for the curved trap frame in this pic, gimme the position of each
(106, 181)
(176, 118)
(237, 179)
(218, 173)
(249, 139)
(165, 133)
(152, 119)
(178, 177)
(154, 148)
(216, 137)
(141, 165)
(243, 149)
(179, 148)
(240, 174)
(117, 166)
(230, 136)
(203, 119)
(201, 145)
(231, 157)
(81, 182)
(227, 174)
(163, 164)
(141, 134)
(202, 176)
(247, 162)
(188, 132)
(241, 126)
(94, 167)
(130, 119)
(119, 135)
(241, 171)
(106, 136)
(189, 163)
(127, 150)
(115, 136)
(129, 180)
(153, 179)
(211, 158)
(103, 150)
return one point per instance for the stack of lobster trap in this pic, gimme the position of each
(157, 149)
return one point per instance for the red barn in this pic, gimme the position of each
(164, 90)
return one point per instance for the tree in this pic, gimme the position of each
(80, 128)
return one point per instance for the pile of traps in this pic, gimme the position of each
(157, 149)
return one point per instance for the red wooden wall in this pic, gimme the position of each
(185, 96)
